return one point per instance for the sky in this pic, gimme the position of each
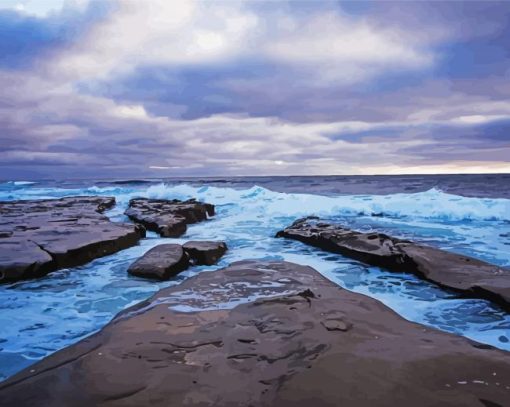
(164, 88)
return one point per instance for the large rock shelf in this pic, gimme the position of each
(265, 334)
(40, 236)
(470, 276)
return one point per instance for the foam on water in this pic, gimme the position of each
(41, 316)
(431, 204)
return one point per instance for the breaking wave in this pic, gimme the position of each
(431, 204)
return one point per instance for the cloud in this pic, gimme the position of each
(193, 88)
(33, 7)
(33, 33)
(479, 118)
(324, 46)
(339, 48)
(141, 33)
(53, 128)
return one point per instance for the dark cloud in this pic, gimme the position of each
(25, 39)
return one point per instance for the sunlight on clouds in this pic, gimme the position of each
(158, 32)
(479, 119)
(163, 167)
(331, 47)
(133, 111)
(458, 167)
(344, 49)
(463, 109)
(209, 41)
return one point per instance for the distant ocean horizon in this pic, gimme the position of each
(490, 185)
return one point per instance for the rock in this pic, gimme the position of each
(205, 252)
(161, 262)
(37, 237)
(473, 277)
(168, 217)
(21, 258)
(167, 260)
(336, 325)
(304, 341)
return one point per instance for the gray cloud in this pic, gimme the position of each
(238, 96)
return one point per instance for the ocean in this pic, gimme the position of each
(468, 214)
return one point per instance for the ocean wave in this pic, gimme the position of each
(18, 183)
(431, 204)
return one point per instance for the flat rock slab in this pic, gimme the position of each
(205, 252)
(465, 274)
(295, 339)
(168, 217)
(161, 262)
(37, 237)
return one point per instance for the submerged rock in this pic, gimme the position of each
(205, 252)
(168, 217)
(265, 334)
(161, 262)
(471, 276)
(40, 236)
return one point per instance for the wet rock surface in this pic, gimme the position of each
(40, 236)
(473, 277)
(297, 340)
(160, 262)
(205, 252)
(167, 260)
(168, 217)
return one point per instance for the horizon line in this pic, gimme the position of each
(128, 178)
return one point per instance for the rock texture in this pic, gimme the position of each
(303, 342)
(168, 217)
(205, 252)
(167, 260)
(37, 237)
(473, 277)
(160, 262)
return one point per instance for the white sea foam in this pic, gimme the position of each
(431, 204)
(18, 183)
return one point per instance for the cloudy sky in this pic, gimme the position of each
(174, 88)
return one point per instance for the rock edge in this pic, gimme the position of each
(470, 276)
(40, 236)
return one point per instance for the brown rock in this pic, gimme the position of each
(473, 277)
(161, 262)
(168, 217)
(205, 252)
(45, 235)
(195, 345)
(336, 325)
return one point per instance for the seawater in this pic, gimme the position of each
(39, 317)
